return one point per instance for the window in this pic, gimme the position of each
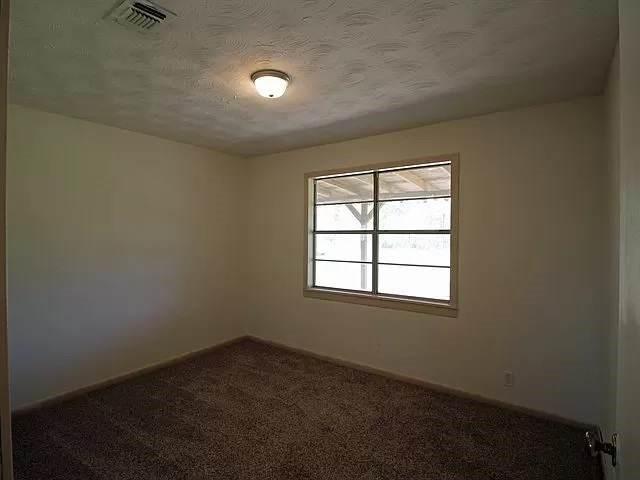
(384, 235)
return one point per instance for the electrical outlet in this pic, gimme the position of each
(508, 379)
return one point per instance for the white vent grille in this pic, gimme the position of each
(141, 15)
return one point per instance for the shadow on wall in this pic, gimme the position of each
(114, 357)
(74, 323)
(629, 389)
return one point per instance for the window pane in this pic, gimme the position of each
(415, 182)
(354, 188)
(350, 276)
(354, 216)
(424, 282)
(343, 247)
(416, 249)
(431, 214)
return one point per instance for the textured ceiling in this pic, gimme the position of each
(359, 67)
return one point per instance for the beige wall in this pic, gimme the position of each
(628, 395)
(126, 250)
(533, 270)
(122, 251)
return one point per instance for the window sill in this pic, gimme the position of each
(381, 301)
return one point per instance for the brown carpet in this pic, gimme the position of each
(251, 411)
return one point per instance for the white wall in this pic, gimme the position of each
(612, 184)
(122, 251)
(533, 269)
(628, 394)
(6, 454)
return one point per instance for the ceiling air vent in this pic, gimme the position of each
(141, 15)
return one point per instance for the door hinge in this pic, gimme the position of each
(596, 444)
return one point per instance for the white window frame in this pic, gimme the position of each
(436, 307)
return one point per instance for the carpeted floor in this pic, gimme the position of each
(252, 411)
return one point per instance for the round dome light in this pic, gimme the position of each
(270, 83)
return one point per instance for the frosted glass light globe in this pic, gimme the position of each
(270, 83)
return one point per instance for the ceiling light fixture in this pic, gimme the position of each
(270, 83)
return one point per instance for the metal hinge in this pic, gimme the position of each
(595, 445)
